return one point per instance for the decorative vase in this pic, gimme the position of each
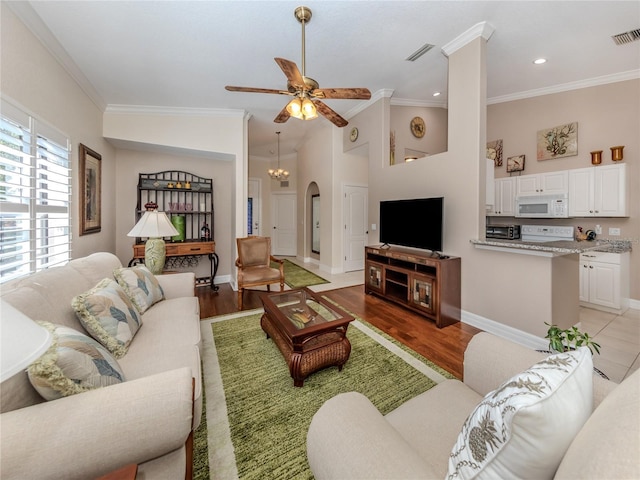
(616, 153)
(596, 157)
(179, 222)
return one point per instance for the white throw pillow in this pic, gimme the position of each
(523, 428)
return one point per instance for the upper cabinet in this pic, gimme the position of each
(550, 183)
(598, 191)
(505, 198)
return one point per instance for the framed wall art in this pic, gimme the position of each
(557, 142)
(515, 164)
(494, 152)
(90, 163)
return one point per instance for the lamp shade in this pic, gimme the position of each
(23, 341)
(153, 224)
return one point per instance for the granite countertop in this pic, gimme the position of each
(563, 247)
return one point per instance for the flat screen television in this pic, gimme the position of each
(412, 223)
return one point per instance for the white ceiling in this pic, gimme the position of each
(181, 54)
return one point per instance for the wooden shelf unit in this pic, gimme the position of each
(429, 285)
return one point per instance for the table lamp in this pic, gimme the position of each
(154, 225)
(23, 341)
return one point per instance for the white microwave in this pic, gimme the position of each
(542, 206)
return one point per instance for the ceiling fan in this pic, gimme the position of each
(307, 94)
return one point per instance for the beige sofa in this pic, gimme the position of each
(349, 438)
(147, 420)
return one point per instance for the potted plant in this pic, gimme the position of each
(569, 339)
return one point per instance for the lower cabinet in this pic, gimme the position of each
(429, 285)
(604, 281)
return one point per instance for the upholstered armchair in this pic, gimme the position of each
(254, 265)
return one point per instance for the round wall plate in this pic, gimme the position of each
(418, 127)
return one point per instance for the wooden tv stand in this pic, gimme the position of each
(429, 285)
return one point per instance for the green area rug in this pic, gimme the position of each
(267, 418)
(296, 277)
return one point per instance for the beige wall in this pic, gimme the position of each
(130, 163)
(211, 136)
(33, 79)
(607, 115)
(435, 137)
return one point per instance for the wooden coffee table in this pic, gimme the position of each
(310, 332)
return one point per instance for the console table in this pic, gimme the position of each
(425, 283)
(185, 254)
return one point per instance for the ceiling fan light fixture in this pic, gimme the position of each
(295, 108)
(309, 109)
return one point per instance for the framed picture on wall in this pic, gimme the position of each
(90, 190)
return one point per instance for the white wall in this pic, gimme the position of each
(33, 79)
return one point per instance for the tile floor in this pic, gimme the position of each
(619, 339)
(618, 335)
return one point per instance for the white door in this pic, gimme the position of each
(356, 232)
(254, 212)
(284, 231)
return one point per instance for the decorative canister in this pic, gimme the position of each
(616, 153)
(596, 157)
(179, 222)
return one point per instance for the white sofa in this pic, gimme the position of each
(147, 420)
(349, 438)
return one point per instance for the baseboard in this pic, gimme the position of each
(635, 304)
(504, 331)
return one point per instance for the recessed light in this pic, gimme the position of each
(540, 61)
(436, 94)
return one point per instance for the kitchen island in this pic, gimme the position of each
(538, 281)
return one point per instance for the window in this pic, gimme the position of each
(35, 192)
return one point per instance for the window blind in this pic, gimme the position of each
(35, 192)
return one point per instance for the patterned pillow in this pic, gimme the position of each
(108, 315)
(523, 428)
(141, 286)
(74, 363)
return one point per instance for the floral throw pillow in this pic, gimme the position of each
(108, 315)
(524, 427)
(141, 286)
(74, 363)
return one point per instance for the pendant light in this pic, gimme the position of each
(278, 174)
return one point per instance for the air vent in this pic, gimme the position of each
(418, 53)
(284, 184)
(626, 37)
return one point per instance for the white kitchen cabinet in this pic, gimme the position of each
(504, 197)
(598, 191)
(550, 183)
(604, 281)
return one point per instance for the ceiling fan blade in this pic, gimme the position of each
(283, 116)
(331, 115)
(342, 93)
(231, 88)
(291, 71)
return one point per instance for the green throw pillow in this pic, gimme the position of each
(74, 363)
(108, 315)
(141, 286)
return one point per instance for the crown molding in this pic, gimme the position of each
(482, 29)
(565, 87)
(383, 93)
(408, 102)
(27, 15)
(176, 111)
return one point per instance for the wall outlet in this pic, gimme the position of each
(614, 231)
(598, 229)
(374, 227)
